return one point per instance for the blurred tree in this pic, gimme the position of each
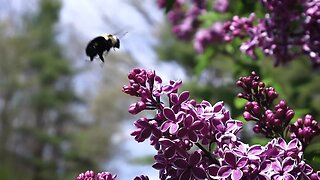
(37, 124)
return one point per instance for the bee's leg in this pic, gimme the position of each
(101, 57)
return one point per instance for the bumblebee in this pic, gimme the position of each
(101, 44)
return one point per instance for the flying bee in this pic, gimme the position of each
(101, 44)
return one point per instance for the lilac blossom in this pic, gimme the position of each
(221, 5)
(142, 177)
(205, 37)
(90, 175)
(181, 124)
(201, 140)
(288, 29)
(190, 168)
(231, 166)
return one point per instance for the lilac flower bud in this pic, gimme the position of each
(131, 90)
(221, 5)
(105, 176)
(247, 116)
(202, 38)
(135, 108)
(161, 3)
(142, 177)
(150, 76)
(175, 16)
(305, 129)
(257, 128)
(270, 115)
(315, 175)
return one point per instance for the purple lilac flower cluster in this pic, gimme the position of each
(273, 122)
(290, 28)
(184, 132)
(305, 129)
(90, 175)
(269, 122)
(199, 140)
(184, 20)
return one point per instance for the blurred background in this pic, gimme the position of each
(61, 114)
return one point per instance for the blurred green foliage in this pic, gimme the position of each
(39, 131)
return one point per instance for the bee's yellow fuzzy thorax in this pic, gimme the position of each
(113, 38)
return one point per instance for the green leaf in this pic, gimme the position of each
(239, 103)
(259, 140)
(169, 5)
(203, 60)
(240, 118)
(313, 147)
(209, 18)
(144, 160)
(300, 113)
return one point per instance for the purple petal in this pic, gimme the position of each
(288, 164)
(236, 174)
(230, 158)
(194, 158)
(188, 121)
(197, 125)
(170, 152)
(242, 162)
(157, 133)
(180, 116)
(199, 173)
(165, 126)
(294, 144)
(158, 166)
(184, 96)
(193, 136)
(141, 123)
(213, 169)
(265, 165)
(182, 132)
(263, 177)
(282, 143)
(255, 150)
(181, 163)
(174, 98)
(185, 175)
(307, 169)
(218, 106)
(166, 142)
(173, 128)
(169, 114)
(145, 133)
(276, 166)
(288, 177)
(205, 103)
(224, 171)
